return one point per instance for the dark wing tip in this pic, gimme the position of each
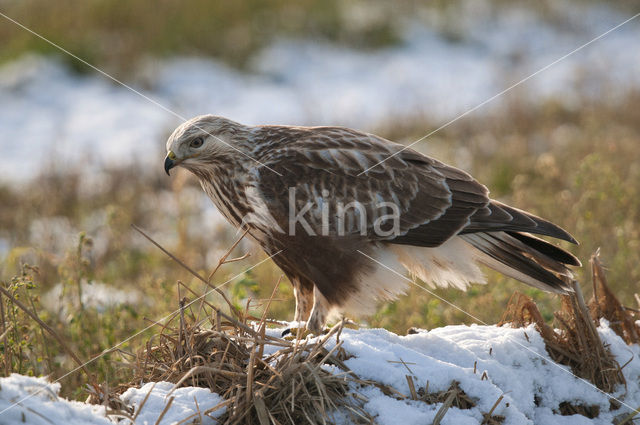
(572, 239)
(540, 225)
(554, 230)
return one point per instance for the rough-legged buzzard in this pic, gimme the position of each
(302, 190)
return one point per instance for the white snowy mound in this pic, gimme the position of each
(487, 361)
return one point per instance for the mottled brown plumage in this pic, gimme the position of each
(437, 222)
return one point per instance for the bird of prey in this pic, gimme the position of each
(345, 211)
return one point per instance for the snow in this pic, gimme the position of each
(514, 362)
(37, 403)
(517, 368)
(187, 402)
(84, 121)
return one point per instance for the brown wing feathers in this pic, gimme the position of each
(467, 197)
(499, 231)
(438, 201)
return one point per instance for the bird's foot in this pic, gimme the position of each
(301, 333)
(291, 334)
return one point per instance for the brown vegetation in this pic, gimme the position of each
(578, 344)
(307, 381)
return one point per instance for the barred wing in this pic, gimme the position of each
(320, 182)
(433, 202)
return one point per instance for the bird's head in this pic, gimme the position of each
(202, 142)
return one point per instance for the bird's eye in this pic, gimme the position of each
(197, 142)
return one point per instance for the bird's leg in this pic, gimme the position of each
(303, 292)
(319, 313)
(304, 300)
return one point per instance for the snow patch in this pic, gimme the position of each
(188, 402)
(512, 363)
(35, 401)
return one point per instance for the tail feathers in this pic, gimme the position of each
(546, 248)
(498, 217)
(525, 258)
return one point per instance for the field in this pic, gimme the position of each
(69, 253)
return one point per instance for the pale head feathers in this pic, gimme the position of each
(206, 140)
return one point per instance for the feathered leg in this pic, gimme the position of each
(319, 313)
(303, 292)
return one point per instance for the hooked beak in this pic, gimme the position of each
(169, 162)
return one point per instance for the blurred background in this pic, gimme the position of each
(82, 154)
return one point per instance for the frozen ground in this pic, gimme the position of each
(514, 361)
(51, 117)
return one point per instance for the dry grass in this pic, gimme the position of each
(300, 381)
(264, 379)
(578, 344)
(625, 321)
(289, 386)
(226, 353)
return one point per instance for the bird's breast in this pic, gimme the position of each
(230, 201)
